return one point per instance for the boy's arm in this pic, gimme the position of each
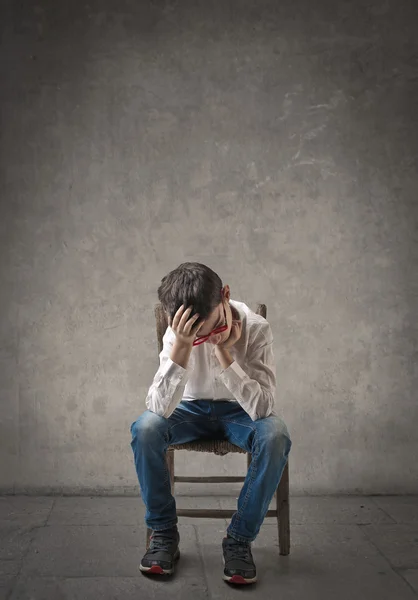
(255, 388)
(167, 388)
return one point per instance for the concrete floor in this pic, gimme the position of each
(83, 548)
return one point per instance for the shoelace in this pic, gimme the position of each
(159, 542)
(240, 551)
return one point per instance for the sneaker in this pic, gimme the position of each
(163, 552)
(238, 561)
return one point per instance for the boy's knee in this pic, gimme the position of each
(274, 434)
(148, 426)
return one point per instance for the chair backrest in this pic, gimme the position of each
(162, 323)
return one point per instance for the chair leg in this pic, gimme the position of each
(170, 464)
(283, 516)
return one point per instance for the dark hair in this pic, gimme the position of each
(191, 283)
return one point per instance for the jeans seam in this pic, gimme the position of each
(165, 505)
(167, 481)
(238, 514)
(166, 474)
(251, 479)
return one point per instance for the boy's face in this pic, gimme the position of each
(217, 319)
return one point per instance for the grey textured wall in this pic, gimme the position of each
(276, 142)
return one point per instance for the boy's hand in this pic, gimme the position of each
(183, 328)
(234, 335)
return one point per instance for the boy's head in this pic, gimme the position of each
(196, 284)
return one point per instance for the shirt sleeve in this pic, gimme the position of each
(167, 388)
(254, 388)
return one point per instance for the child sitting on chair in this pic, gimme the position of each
(222, 389)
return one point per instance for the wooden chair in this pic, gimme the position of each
(221, 447)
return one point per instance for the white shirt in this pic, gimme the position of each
(249, 380)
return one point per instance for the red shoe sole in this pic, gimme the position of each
(239, 580)
(156, 570)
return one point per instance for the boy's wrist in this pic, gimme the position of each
(180, 345)
(224, 357)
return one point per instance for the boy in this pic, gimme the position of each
(216, 380)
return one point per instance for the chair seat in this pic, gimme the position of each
(219, 447)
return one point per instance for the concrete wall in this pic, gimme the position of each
(276, 142)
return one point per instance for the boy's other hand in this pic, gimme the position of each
(234, 336)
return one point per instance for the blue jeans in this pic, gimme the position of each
(266, 439)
